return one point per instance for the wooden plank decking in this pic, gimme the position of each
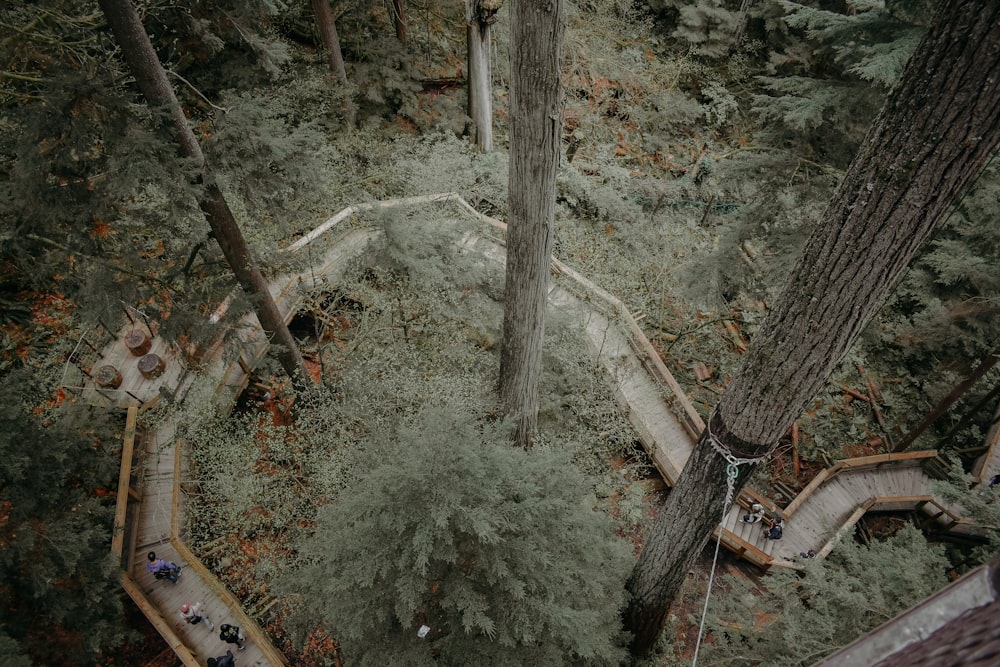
(134, 388)
(159, 524)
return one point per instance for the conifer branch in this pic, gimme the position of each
(20, 77)
(197, 92)
(102, 261)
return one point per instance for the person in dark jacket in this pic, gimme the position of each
(231, 634)
(226, 660)
(162, 569)
(775, 528)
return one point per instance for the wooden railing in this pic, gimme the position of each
(125, 491)
(742, 548)
(156, 619)
(126, 503)
(860, 463)
(249, 625)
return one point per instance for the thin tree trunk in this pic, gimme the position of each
(152, 81)
(742, 25)
(535, 129)
(933, 136)
(479, 19)
(399, 20)
(942, 407)
(331, 41)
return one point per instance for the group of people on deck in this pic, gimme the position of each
(774, 528)
(194, 613)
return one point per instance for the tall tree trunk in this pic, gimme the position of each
(331, 41)
(933, 136)
(535, 129)
(399, 20)
(480, 15)
(152, 81)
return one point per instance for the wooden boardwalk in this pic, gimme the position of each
(158, 529)
(151, 497)
(668, 425)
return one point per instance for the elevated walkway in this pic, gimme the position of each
(151, 495)
(150, 521)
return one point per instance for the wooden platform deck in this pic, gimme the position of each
(134, 388)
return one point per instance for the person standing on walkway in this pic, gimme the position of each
(162, 569)
(192, 613)
(226, 660)
(231, 634)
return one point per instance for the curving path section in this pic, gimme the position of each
(159, 517)
(151, 497)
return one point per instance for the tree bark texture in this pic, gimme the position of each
(535, 129)
(331, 41)
(480, 15)
(152, 81)
(934, 135)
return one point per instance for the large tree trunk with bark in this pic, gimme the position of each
(535, 129)
(931, 139)
(331, 41)
(152, 81)
(480, 15)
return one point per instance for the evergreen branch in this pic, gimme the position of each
(102, 261)
(19, 77)
(198, 92)
(20, 31)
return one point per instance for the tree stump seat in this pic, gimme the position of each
(151, 366)
(138, 342)
(108, 377)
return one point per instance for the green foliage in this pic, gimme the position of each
(981, 505)
(387, 80)
(873, 40)
(708, 27)
(11, 653)
(270, 157)
(854, 56)
(948, 301)
(57, 572)
(456, 166)
(492, 547)
(796, 619)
